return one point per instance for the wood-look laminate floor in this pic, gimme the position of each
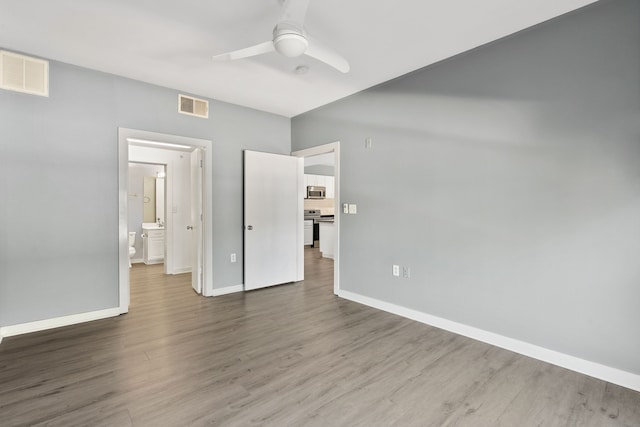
(292, 355)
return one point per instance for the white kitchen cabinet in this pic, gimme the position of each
(316, 180)
(331, 187)
(321, 181)
(309, 180)
(308, 232)
(327, 240)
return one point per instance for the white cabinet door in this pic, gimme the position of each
(153, 246)
(331, 187)
(327, 241)
(316, 180)
(156, 248)
(308, 232)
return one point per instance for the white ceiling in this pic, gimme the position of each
(170, 43)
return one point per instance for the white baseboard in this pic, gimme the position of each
(137, 261)
(41, 325)
(596, 370)
(227, 290)
(182, 270)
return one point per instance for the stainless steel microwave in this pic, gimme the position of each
(314, 192)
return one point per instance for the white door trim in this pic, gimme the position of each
(123, 182)
(333, 147)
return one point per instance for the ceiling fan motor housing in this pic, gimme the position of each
(289, 40)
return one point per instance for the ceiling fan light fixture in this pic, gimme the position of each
(290, 40)
(290, 45)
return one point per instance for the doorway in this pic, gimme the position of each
(328, 149)
(196, 151)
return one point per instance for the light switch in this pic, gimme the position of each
(345, 208)
(352, 209)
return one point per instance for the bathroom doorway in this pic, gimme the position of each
(184, 222)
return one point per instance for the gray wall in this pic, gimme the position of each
(508, 180)
(58, 242)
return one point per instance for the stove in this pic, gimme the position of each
(313, 214)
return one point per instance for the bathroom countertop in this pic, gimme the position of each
(152, 226)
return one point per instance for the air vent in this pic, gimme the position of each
(193, 106)
(24, 74)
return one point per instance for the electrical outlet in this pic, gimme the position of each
(353, 209)
(233, 257)
(396, 270)
(345, 208)
(406, 272)
(367, 143)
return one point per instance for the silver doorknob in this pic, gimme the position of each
(249, 227)
(189, 227)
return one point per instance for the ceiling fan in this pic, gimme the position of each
(290, 39)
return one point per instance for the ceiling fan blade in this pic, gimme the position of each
(258, 49)
(327, 55)
(294, 11)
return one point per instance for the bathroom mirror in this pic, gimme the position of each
(153, 200)
(149, 199)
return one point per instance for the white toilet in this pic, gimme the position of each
(132, 242)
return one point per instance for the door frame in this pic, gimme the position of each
(123, 189)
(196, 179)
(333, 147)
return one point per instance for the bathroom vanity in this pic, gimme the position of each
(152, 243)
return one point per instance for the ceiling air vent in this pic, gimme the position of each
(24, 74)
(193, 106)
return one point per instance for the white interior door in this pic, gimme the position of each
(273, 220)
(197, 215)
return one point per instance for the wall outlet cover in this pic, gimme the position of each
(353, 209)
(396, 270)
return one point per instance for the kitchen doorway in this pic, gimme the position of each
(325, 156)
